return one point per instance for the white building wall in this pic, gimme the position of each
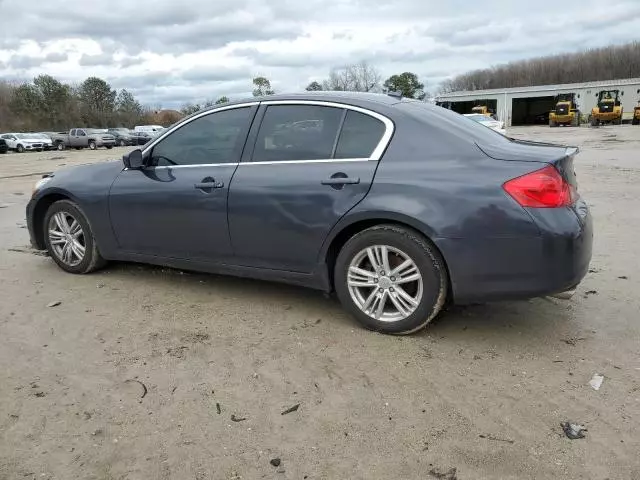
(586, 101)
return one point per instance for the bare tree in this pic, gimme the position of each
(357, 77)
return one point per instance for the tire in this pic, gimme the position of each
(122, 143)
(92, 145)
(20, 149)
(91, 259)
(109, 147)
(60, 146)
(552, 123)
(635, 121)
(401, 244)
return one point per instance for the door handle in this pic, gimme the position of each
(208, 185)
(341, 181)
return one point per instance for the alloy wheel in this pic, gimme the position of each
(385, 283)
(66, 237)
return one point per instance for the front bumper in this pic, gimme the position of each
(519, 268)
(33, 240)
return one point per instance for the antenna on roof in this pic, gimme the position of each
(394, 94)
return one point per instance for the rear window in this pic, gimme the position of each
(453, 121)
(360, 135)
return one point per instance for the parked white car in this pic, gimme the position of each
(496, 125)
(148, 128)
(21, 142)
(47, 143)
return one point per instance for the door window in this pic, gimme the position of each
(73, 132)
(359, 136)
(297, 132)
(214, 138)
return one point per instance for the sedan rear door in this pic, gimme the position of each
(311, 163)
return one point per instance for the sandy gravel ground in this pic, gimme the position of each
(149, 373)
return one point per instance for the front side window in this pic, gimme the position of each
(297, 132)
(359, 136)
(214, 138)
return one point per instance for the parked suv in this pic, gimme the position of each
(21, 142)
(123, 136)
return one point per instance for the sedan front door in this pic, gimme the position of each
(176, 206)
(312, 162)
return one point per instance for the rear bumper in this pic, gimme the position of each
(518, 268)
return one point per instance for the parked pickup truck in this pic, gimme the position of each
(83, 138)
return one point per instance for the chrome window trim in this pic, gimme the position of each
(151, 144)
(375, 155)
(284, 162)
(386, 136)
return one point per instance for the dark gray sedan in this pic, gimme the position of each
(396, 205)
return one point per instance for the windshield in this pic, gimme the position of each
(21, 135)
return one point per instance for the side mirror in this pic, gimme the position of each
(133, 159)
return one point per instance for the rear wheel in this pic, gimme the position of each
(391, 279)
(109, 147)
(69, 239)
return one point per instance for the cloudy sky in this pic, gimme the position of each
(168, 52)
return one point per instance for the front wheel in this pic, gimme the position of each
(92, 145)
(122, 143)
(60, 146)
(69, 239)
(20, 149)
(391, 279)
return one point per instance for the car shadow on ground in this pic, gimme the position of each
(513, 322)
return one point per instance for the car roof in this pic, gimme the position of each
(356, 98)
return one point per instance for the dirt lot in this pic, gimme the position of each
(482, 390)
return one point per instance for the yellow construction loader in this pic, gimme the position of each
(483, 110)
(565, 112)
(608, 109)
(636, 114)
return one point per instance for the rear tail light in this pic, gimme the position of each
(544, 188)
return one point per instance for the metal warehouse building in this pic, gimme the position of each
(531, 105)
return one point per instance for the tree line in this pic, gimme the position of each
(47, 104)
(596, 64)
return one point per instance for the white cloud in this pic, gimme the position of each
(167, 53)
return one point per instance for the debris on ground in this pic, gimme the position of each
(496, 439)
(218, 408)
(275, 462)
(291, 409)
(54, 304)
(450, 474)
(623, 277)
(41, 253)
(237, 419)
(572, 340)
(144, 387)
(590, 292)
(573, 431)
(596, 381)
